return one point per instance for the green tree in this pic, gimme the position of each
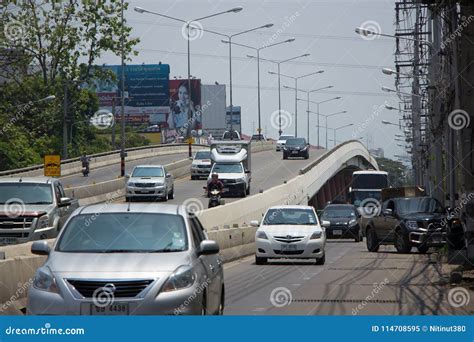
(397, 172)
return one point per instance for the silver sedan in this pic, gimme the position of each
(129, 259)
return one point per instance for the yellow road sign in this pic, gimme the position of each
(52, 165)
(190, 140)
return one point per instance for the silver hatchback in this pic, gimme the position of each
(129, 259)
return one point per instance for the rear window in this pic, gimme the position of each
(296, 141)
(124, 232)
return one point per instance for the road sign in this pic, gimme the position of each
(189, 140)
(52, 165)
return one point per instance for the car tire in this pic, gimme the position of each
(193, 177)
(204, 305)
(260, 260)
(165, 197)
(401, 242)
(171, 194)
(243, 193)
(306, 156)
(248, 190)
(127, 199)
(285, 156)
(423, 249)
(322, 260)
(372, 240)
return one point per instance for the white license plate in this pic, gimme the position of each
(115, 309)
(294, 152)
(337, 232)
(288, 247)
(8, 241)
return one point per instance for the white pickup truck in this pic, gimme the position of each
(231, 160)
(32, 208)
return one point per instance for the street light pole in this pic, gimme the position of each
(122, 97)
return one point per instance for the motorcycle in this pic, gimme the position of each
(85, 170)
(215, 199)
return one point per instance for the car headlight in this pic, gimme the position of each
(43, 222)
(261, 235)
(285, 148)
(352, 222)
(182, 278)
(316, 235)
(45, 281)
(159, 183)
(412, 224)
(130, 184)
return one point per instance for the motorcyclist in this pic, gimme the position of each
(214, 183)
(85, 160)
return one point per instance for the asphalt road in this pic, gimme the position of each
(396, 284)
(106, 173)
(268, 170)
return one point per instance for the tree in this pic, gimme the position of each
(397, 172)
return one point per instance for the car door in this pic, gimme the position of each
(389, 221)
(212, 265)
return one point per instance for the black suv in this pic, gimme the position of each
(296, 147)
(344, 219)
(408, 222)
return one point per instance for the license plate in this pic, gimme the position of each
(115, 309)
(225, 189)
(288, 247)
(337, 232)
(294, 152)
(8, 241)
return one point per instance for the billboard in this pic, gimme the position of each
(213, 105)
(146, 92)
(236, 116)
(184, 110)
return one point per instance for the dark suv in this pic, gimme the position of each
(408, 222)
(296, 147)
(344, 219)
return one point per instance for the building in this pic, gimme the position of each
(236, 117)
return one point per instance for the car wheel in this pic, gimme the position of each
(260, 260)
(401, 242)
(322, 260)
(248, 190)
(423, 249)
(127, 199)
(243, 193)
(285, 156)
(171, 194)
(306, 156)
(372, 240)
(165, 197)
(193, 177)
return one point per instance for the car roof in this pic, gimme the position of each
(154, 208)
(294, 206)
(340, 206)
(40, 180)
(149, 166)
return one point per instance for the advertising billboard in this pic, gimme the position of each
(146, 92)
(213, 105)
(184, 110)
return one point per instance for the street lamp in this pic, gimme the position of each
(296, 92)
(326, 117)
(390, 90)
(279, 83)
(307, 107)
(258, 73)
(317, 106)
(385, 122)
(366, 32)
(336, 129)
(388, 71)
(188, 25)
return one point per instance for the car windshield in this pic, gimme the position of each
(227, 168)
(285, 137)
(333, 212)
(418, 205)
(231, 135)
(358, 197)
(290, 217)
(148, 172)
(203, 155)
(257, 137)
(124, 232)
(25, 193)
(298, 141)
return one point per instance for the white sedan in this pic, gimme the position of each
(290, 231)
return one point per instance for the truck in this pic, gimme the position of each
(32, 208)
(231, 160)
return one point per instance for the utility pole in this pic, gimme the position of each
(416, 101)
(122, 95)
(65, 118)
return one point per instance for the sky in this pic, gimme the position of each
(323, 28)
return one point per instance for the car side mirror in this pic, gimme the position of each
(127, 175)
(208, 247)
(254, 223)
(190, 158)
(40, 248)
(168, 175)
(388, 212)
(326, 224)
(64, 202)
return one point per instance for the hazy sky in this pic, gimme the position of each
(323, 28)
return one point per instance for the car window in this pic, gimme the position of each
(197, 231)
(290, 216)
(26, 193)
(148, 172)
(124, 232)
(203, 155)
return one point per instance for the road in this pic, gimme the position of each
(397, 284)
(268, 170)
